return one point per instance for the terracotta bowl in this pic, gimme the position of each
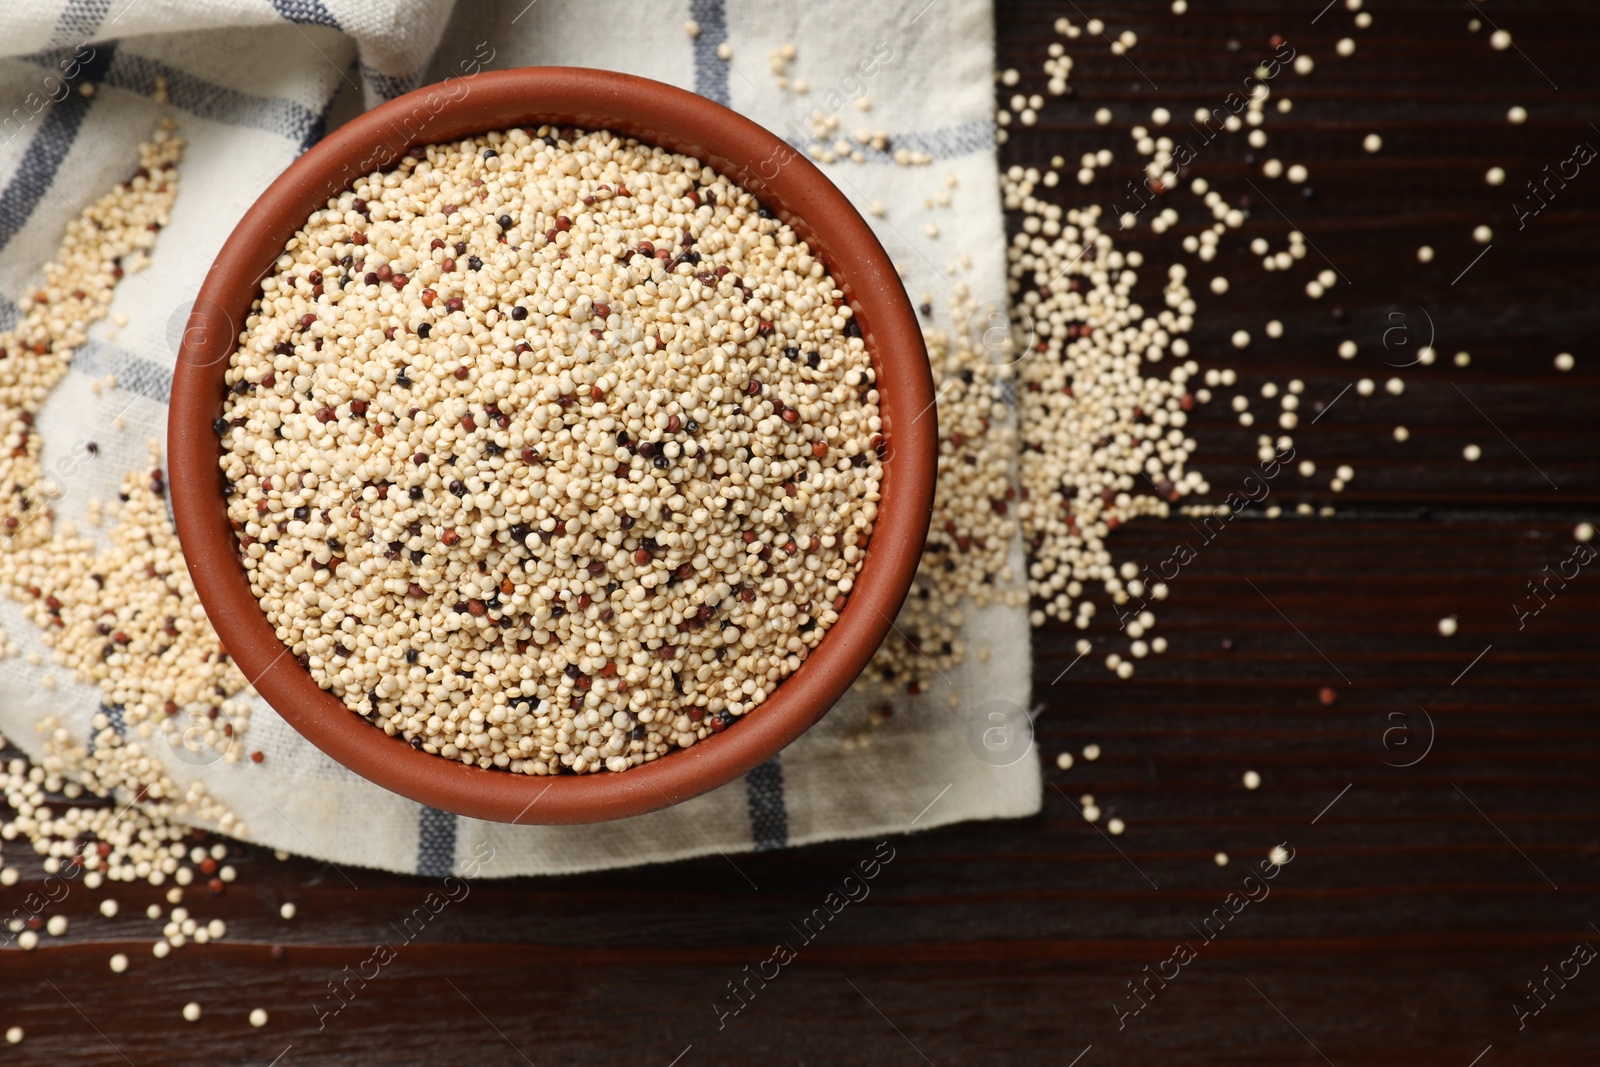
(661, 115)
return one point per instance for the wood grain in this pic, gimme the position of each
(1420, 899)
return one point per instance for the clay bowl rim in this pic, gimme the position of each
(654, 113)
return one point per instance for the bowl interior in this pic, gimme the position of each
(654, 113)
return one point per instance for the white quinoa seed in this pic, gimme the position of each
(119, 963)
(191, 1012)
(561, 501)
(1252, 780)
(14, 1035)
(1471, 453)
(1220, 859)
(258, 1017)
(1565, 362)
(1583, 532)
(1448, 626)
(1091, 752)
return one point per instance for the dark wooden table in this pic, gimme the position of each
(1421, 900)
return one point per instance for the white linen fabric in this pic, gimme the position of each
(251, 85)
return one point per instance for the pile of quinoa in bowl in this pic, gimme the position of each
(550, 451)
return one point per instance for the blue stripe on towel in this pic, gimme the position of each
(135, 373)
(306, 13)
(945, 142)
(710, 72)
(206, 99)
(769, 817)
(80, 20)
(436, 843)
(56, 133)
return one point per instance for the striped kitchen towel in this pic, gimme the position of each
(250, 85)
